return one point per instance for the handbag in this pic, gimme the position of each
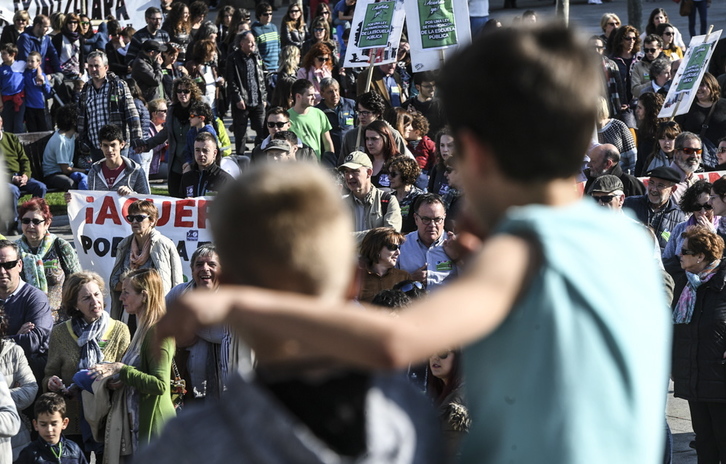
(686, 7)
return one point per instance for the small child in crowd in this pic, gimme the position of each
(37, 90)
(200, 120)
(51, 446)
(421, 146)
(12, 89)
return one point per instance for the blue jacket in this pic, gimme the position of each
(39, 452)
(29, 43)
(35, 95)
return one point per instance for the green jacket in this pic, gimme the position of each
(152, 380)
(15, 158)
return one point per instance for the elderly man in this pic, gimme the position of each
(423, 254)
(605, 159)
(340, 111)
(26, 308)
(205, 358)
(686, 161)
(608, 191)
(106, 99)
(371, 207)
(657, 209)
(152, 31)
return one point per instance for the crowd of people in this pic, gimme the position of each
(378, 194)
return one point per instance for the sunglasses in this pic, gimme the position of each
(269, 13)
(278, 124)
(614, 24)
(191, 115)
(605, 199)
(319, 29)
(686, 252)
(294, 11)
(691, 151)
(668, 33)
(650, 50)
(7, 265)
(410, 286)
(85, 23)
(325, 13)
(161, 111)
(136, 217)
(184, 91)
(699, 207)
(34, 221)
(322, 58)
(630, 39)
(393, 246)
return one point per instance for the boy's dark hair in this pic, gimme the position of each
(50, 403)
(9, 48)
(426, 76)
(110, 132)
(394, 299)
(541, 62)
(67, 117)
(201, 108)
(373, 101)
(198, 9)
(261, 8)
(114, 27)
(300, 86)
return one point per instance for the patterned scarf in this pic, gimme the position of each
(683, 311)
(139, 256)
(33, 267)
(88, 337)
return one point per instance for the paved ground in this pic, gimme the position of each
(586, 17)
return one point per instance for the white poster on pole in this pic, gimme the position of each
(436, 28)
(127, 12)
(376, 28)
(685, 83)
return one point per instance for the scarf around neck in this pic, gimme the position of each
(88, 338)
(683, 312)
(139, 256)
(33, 266)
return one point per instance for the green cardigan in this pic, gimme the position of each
(152, 380)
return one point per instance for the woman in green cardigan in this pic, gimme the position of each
(143, 375)
(90, 336)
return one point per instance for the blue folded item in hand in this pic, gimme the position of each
(84, 380)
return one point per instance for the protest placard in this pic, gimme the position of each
(376, 29)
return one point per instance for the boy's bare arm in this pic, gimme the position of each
(278, 325)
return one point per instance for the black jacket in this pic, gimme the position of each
(39, 452)
(238, 86)
(147, 73)
(662, 221)
(196, 183)
(632, 186)
(699, 372)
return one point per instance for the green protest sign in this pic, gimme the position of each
(693, 68)
(437, 22)
(376, 26)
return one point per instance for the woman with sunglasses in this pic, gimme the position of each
(706, 117)
(317, 64)
(668, 33)
(142, 402)
(609, 22)
(145, 248)
(403, 173)
(379, 252)
(320, 33)
(294, 30)
(694, 202)
(625, 53)
(92, 40)
(48, 260)
(68, 46)
(11, 34)
(659, 16)
(699, 339)
(445, 387)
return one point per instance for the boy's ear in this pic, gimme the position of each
(65, 422)
(35, 425)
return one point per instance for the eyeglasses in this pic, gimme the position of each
(605, 199)
(650, 50)
(294, 11)
(631, 39)
(72, 22)
(428, 220)
(193, 115)
(686, 252)
(365, 113)
(184, 91)
(34, 221)
(393, 246)
(691, 151)
(7, 265)
(136, 217)
(278, 124)
(699, 207)
(410, 286)
(614, 24)
(322, 58)
(668, 33)
(319, 29)
(162, 110)
(268, 13)
(85, 23)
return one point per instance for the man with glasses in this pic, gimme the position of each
(687, 159)
(426, 103)
(26, 308)
(277, 120)
(152, 30)
(268, 38)
(608, 191)
(423, 254)
(640, 76)
(605, 159)
(657, 209)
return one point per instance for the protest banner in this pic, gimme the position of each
(435, 26)
(128, 12)
(98, 221)
(376, 29)
(685, 83)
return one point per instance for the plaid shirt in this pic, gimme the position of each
(111, 104)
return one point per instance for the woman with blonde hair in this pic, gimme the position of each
(143, 401)
(11, 34)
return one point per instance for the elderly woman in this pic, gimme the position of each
(380, 147)
(69, 47)
(48, 260)
(694, 202)
(403, 173)
(90, 336)
(159, 166)
(143, 405)
(707, 117)
(184, 93)
(699, 340)
(144, 248)
(317, 64)
(379, 253)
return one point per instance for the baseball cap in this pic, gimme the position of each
(355, 160)
(278, 145)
